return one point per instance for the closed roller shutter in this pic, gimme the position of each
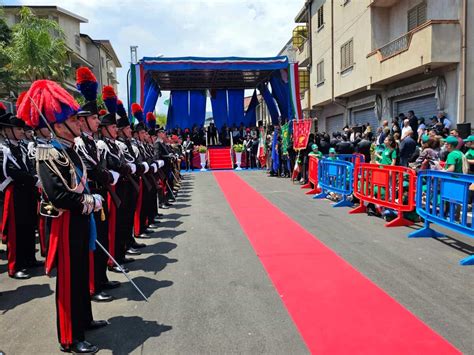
(334, 123)
(361, 117)
(423, 106)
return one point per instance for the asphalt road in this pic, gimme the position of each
(208, 292)
(210, 295)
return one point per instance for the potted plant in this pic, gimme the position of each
(238, 149)
(202, 154)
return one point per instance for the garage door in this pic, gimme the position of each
(334, 123)
(361, 117)
(423, 106)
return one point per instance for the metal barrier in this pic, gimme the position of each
(388, 186)
(336, 176)
(443, 198)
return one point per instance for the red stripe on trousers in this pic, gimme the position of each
(112, 220)
(136, 220)
(60, 230)
(9, 224)
(91, 273)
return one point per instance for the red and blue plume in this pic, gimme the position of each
(20, 99)
(102, 112)
(86, 83)
(110, 98)
(137, 112)
(151, 120)
(121, 109)
(56, 104)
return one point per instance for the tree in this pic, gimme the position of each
(7, 81)
(37, 49)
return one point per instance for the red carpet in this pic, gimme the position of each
(219, 158)
(336, 309)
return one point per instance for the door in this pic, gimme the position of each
(364, 116)
(334, 123)
(423, 106)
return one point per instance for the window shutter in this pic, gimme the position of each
(412, 19)
(421, 13)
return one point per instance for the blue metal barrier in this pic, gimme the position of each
(336, 176)
(355, 158)
(442, 198)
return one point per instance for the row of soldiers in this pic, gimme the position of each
(90, 183)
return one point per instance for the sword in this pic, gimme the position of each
(120, 268)
(169, 188)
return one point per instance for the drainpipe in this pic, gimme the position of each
(463, 74)
(100, 62)
(310, 50)
(332, 50)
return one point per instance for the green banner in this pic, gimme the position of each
(285, 138)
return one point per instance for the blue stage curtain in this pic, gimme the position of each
(197, 110)
(169, 118)
(251, 114)
(152, 92)
(180, 108)
(219, 108)
(281, 93)
(270, 102)
(236, 106)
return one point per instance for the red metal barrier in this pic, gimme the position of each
(313, 176)
(383, 185)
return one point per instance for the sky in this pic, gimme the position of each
(184, 27)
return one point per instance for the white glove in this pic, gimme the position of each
(115, 176)
(97, 202)
(133, 167)
(161, 163)
(147, 167)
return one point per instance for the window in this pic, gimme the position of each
(347, 55)
(320, 73)
(304, 80)
(77, 40)
(321, 16)
(417, 16)
(102, 62)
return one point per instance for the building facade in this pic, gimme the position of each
(369, 60)
(98, 55)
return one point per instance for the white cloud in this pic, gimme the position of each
(185, 27)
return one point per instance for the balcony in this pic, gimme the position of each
(436, 43)
(302, 54)
(383, 3)
(305, 100)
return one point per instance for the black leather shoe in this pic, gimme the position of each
(164, 207)
(154, 224)
(132, 251)
(80, 347)
(171, 199)
(110, 285)
(20, 275)
(117, 270)
(95, 324)
(167, 204)
(136, 245)
(101, 297)
(143, 236)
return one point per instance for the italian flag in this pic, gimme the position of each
(294, 82)
(137, 85)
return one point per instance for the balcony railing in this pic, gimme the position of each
(399, 45)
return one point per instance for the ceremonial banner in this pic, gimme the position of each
(301, 131)
(285, 138)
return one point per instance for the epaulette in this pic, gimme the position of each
(46, 152)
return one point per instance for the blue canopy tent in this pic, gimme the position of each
(228, 77)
